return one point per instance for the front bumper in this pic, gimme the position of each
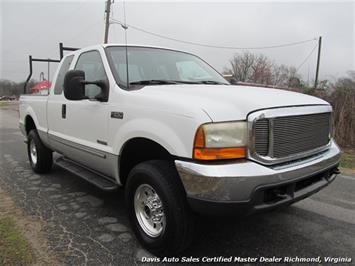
(247, 186)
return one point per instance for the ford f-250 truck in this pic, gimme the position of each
(178, 137)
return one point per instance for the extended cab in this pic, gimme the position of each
(178, 137)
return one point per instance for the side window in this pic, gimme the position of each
(58, 88)
(91, 64)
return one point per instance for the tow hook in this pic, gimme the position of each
(336, 171)
(279, 194)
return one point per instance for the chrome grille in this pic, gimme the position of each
(285, 136)
(262, 136)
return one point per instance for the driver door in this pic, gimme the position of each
(86, 121)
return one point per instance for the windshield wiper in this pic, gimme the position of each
(165, 81)
(210, 82)
(153, 82)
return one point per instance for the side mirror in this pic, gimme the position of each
(103, 95)
(74, 87)
(233, 81)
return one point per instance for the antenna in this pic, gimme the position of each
(125, 27)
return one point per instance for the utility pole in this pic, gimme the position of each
(318, 61)
(107, 23)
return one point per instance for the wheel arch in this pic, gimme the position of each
(29, 124)
(137, 150)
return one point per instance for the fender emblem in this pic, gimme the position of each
(117, 115)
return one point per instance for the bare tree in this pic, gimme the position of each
(262, 70)
(258, 68)
(280, 75)
(242, 66)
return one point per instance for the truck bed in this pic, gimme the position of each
(36, 107)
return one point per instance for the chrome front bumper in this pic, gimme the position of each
(238, 182)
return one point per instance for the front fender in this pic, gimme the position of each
(171, 139)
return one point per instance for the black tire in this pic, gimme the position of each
(44, 156)
(179, 221)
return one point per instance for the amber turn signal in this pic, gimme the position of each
(219, 153)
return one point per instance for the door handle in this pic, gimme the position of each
(64, 111)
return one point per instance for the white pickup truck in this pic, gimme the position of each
(178, 137)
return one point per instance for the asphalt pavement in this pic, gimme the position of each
(85, 226)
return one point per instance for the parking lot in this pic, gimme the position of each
(84, 225)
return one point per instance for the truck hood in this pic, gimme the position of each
(226, 102)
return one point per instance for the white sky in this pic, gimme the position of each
(36, 28)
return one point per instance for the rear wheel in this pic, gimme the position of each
(40, 157)
(158, 211)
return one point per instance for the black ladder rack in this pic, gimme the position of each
(62, 48)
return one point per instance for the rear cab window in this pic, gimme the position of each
(58, 87)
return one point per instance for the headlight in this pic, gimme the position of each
(216, 141)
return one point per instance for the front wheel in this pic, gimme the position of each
(158, 211)
(40, 156)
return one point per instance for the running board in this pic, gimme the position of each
(101, 181)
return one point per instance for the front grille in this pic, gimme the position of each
(281, 137)
(262, 136)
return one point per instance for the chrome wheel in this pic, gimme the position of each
(33, 152)
(149, 210)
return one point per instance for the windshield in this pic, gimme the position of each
(153, 66)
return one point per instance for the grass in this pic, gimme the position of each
(3, 104)
(347, 162)
(14, 248)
